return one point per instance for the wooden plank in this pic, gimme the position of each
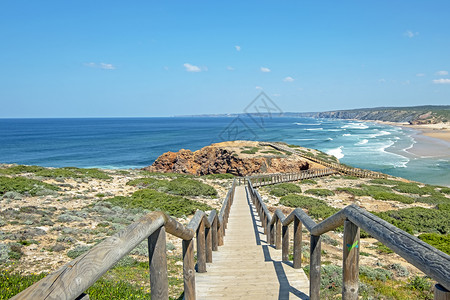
(215, 238)
(159, 280)
(440, 293)
(350, 269)
(208, 244)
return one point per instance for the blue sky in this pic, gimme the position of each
(164, 58)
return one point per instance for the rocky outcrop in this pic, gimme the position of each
(218, 159)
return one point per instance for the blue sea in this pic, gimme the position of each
(136, 142)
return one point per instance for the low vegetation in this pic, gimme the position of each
(67, 172)
(149, 199)
(22, 185)
(320, 192)
(178, 186)
(283, 189)
(439, 241)
(419, 220)
(318, 209)
(252, 150)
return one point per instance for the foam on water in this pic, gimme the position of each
(314, 129)
(356, 126)
(362, 142)
(336, 152)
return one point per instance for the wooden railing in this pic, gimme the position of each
(73, 279)
(274, 178)
(428, 259)
(336, 166)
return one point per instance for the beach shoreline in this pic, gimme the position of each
(431, 140)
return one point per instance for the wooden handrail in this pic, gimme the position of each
(432, 262)
(74, 278)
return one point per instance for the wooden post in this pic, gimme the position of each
(159, 281)
(208, 240)
(215, 240)
(285, 247)
(220, 235)
(272, 234)
(278, 234)
(314, 271)
(201, 253)
(350, 267)
(188, 270)
(297, 244)
(441, 293)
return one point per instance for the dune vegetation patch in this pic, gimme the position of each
(316, 208)
(23, 185)
(149, 199)
(178, 186)
(283, 189)
(66, 172)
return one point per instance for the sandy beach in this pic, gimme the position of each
(432, 140)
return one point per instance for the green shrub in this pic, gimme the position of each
(413, 188)
(443, 206)
(418, 219)
(383, 248)
(283, 189)
(320, 192)
(22, 185)
(190, 187)
(439, 241)
(178, 186)
(317, 208)
(385, 181)
(434, 199)
(67, 172)
(77, 251)
(375, 273)
(272, 152)
(13, 283)
(253, 150)
(353, 191)
(445, 190)
(419, 283)
(350, 177)
(21, 169)
(308, 181)
(153, 200)
(219, 176)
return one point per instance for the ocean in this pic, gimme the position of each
(120, 143)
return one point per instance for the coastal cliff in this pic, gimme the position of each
(414, 115)
(239, 158)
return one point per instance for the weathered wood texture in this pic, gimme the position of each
(350, 268)
(74, 278)
(159, 281)
(70, 281)
(189, 269)
(314, 271)
(440, 293)
(242, 269)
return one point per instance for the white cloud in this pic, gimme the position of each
(229, 68)
(238, 48)
(382, 80)
(442, 73)
(276, 95)
(441, 81)
(265, 70)
(103, 66)
(192, 68)
(411, 34)
(107, 66)
(288, 79)
(420, 74)
(258, 87)
(407, 82)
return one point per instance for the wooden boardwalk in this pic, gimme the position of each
(246, 267)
